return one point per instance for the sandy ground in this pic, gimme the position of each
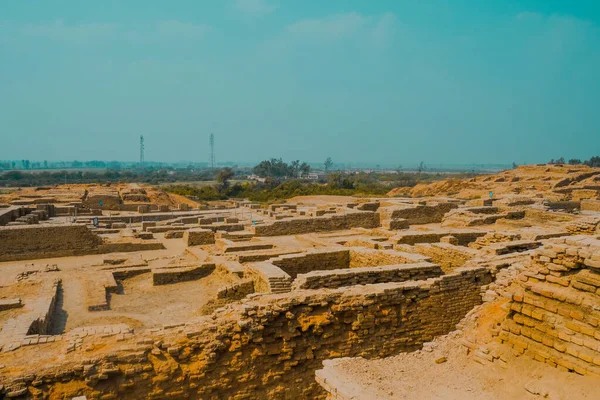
(417, 376)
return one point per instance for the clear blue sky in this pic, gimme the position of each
(386, 82)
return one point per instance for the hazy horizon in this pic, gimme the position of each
(387, 82)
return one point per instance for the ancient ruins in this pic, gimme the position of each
(127, 292)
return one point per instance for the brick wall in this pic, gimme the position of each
(366, 275)
(334, 222)
(44, 241)
(268, 347)
(294, 264)
(553, 313)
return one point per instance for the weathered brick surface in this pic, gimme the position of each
(367, 275)
(199, 236)
(43, 241)
(268, 347)
(417, 213)
(554, 314)
(294, 226)
(165, 276)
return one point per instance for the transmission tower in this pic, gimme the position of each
(211, 142)
(141, 151)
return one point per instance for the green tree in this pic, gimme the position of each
(223, 177)
(328, 164)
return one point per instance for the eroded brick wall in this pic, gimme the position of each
(269, 347)
(554, 314)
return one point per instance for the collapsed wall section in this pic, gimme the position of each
(271, 346)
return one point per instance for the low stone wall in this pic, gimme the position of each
(336, 222)
(165, 276)
(553, 313)
(266, 348)
(199, 236)
(45, 241)
(367, 275)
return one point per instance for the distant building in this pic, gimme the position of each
(311, 176)
(256, 178)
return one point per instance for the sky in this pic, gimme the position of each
(383, 82)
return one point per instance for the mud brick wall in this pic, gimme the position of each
(466, 217)
(371, 257)
(268, 347)
(35, 241)
(587, 225)
(165, 276)
(554, 314)
(335, 222)
(366, 275)
(294, 264)
(195, 237)
(494, 237)
(590, 205)
(237, 291)
(268, 278)
(45, 312)
(446, 255)
(464, 238)
(133, 244)
(11, 213)
(417, 214)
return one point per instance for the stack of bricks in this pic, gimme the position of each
(494, 237)
(554, 313)
(587, 225)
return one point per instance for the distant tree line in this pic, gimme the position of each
(592, 162)
(277, 168)
(152, 176)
